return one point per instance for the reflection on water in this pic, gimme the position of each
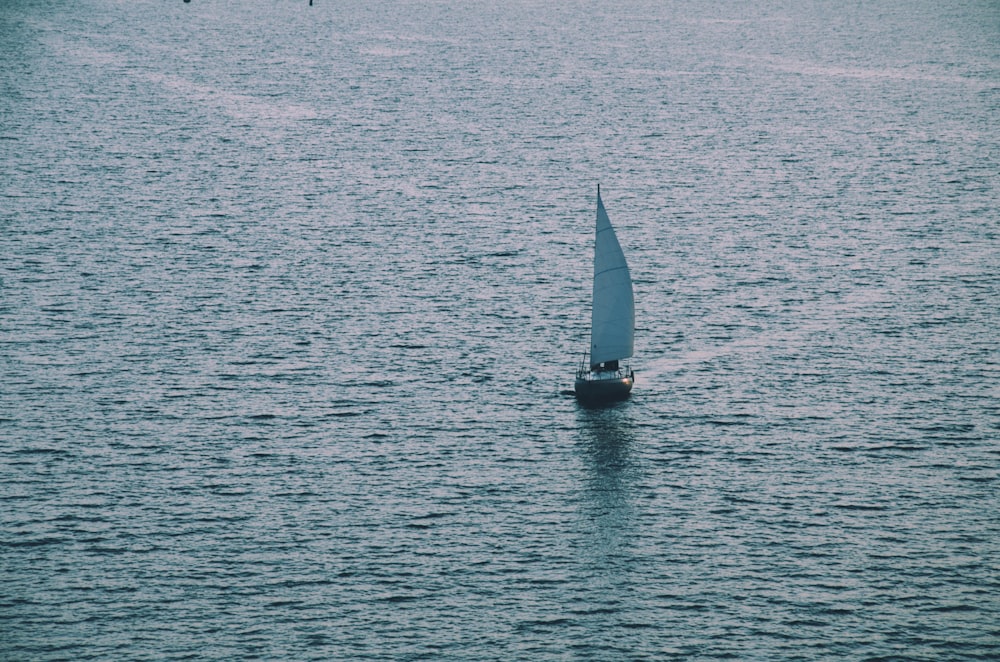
(607, 435)
(606, 440)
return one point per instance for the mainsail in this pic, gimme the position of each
(612, 322)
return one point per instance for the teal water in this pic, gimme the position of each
(291, 299)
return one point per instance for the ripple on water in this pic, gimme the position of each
(289, 326)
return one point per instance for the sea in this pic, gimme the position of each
(292, 295)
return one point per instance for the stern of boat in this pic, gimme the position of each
(604, 385)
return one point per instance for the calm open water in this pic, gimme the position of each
(292, 297)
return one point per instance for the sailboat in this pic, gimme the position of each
(607, 376)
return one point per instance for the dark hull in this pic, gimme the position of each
(603, 390)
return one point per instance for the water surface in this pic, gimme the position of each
(292, 297)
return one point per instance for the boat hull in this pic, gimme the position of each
(603, 390)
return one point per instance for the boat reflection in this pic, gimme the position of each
(607, 439)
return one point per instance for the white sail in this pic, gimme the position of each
(612, 322)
